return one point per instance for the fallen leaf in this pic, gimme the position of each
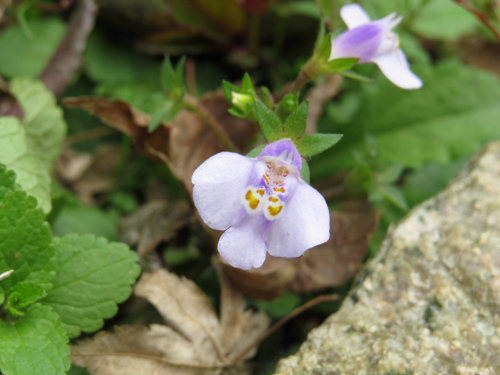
(183, 144)
(193, 341)
(152, 223)
(338, 260)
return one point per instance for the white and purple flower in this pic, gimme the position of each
(374, 41)
(262, 203)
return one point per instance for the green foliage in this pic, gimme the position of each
(440, 122)
(305, 173)
(29, 54)
(92, 277)
(269, 123)
(295, 124)
(31, 146)
(34, 344)
(312, 144)
(57, 284)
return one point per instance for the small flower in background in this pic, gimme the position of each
(374, 41)
(262, 203)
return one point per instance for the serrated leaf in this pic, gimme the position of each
(7, 181)
(33, 178)
(24, 240)
(22, 295)
(27, 57)
(43, 120)
(34, 344)
(438, 123)
(269, 123)
(312, 144)
(295, 124)
(93, 275)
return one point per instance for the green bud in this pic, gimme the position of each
(243, 102)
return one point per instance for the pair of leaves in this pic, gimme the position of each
(294, 128)
(58, 287)
(30, 146)
(193, 340)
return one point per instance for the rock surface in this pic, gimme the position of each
(429, 302)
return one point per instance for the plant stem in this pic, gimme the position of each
(293, 314)
(306, 75)
(193, 104)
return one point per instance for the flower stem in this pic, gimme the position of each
(293, 314)
(193, 104)
(308, 73)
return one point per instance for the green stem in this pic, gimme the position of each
(308, 73)
(193, 104)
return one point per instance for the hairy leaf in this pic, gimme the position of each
(269, 123)
(295, 124)
(34, 344)
(93, 275)
(312, 144)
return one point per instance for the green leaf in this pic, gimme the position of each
(93, 275)
(269, 123)
(43, 120)
(27, 57)
(353, 75)
(256, 151)
(22, 295)
(340, 65)
(440, 122)
(295, 124)
(444, 20)
(7, 181)
(167, 75)
(24, 242)
(305, 173)
(14, 153)
(162, 114)
(312, 144)
(228, 89)
(391, 194)
(247, 85)
(34, 344)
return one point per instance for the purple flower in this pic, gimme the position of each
(262, 204)
(374, 41)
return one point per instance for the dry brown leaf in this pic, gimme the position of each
(193, 341)
(339, 259)
(183, 144)
(152, 223)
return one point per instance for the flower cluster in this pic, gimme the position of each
(262, 203)
(374, 41)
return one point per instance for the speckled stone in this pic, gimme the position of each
(429, 302)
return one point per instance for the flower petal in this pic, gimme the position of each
(219, 184)
(242, 245)
(353, 16)
(305, 224)
(396, 69)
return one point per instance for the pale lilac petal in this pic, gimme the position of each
(242, 245)
(362, 42)
(396, 69)
(353, 15)
(283, 149)
(305, 224)
(219, 184)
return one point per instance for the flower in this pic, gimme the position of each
(262, 204)
(374, 41)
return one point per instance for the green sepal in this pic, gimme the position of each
(236, 112)
(247, 85)
(287, 105)
(266, 96)
(356, 76)
(228, 88)
(22, 295)
(296, 122)
(312, 144)
(269, 123)
(339, 65)
(323, 45)
(256, 151)
(305, 173)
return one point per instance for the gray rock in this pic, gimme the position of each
(429, 302)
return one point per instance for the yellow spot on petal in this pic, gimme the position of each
(273, 211)
(274, 199)
(253, 201)
(279, 189)
(260, 192)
